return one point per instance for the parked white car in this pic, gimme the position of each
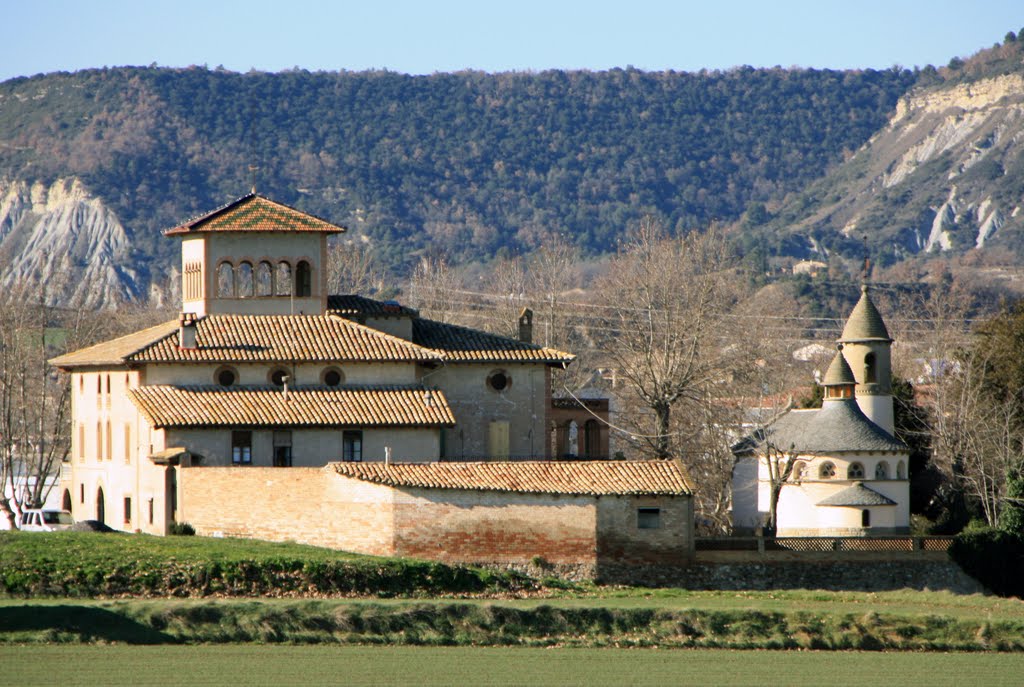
(45, 520)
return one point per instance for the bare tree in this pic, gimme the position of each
(551, 275)
(433, 289)
(667, 299)
(352, 268)
(34, 397)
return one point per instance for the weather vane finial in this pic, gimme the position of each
(865, 272)
(253, 169)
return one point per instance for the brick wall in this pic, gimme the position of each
(319, 507)
(306, 505)
(495, 527)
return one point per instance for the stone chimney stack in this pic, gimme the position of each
(526, 326)
(187, 330)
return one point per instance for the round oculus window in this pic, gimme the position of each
(279, 376)
(332, 377)
(226, 376)
(499, 381)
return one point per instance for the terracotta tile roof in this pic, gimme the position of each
(302, 338)
(465, 344)
(585, 478)
(253, 212)
(115, 351)
(214, 406)
(351, 305)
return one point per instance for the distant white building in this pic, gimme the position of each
(849, 472)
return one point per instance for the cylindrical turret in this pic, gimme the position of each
(867, 349)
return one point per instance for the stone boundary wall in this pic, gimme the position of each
(873, 575)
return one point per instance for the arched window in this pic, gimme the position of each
(225, 280)
(827, 470)
(110, 442)
(870, 373)
(799, 470)
(283, 279)
(264, 279)
(101, 507)
(574, 439)
(65, 502)
(303, 279)
(882, 470)
(99, 441)
(245, 280)
(855, 471)
(901, 470)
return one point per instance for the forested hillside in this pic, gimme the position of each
(472, 163)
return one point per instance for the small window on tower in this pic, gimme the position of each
(870, 373)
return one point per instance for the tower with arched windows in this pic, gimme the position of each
(254, 256)
(849, 471)
(867, 348)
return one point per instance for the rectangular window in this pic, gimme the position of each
(127, 509)
(127, 444)
(81, 441)
(283, 449)
(352, 446)
(648, 518)
(81, 493)
(241, 448)
(151, 511)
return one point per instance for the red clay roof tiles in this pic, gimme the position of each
(255, 213)
(213, 406)
(584, 478)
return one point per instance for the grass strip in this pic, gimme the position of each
(89, 564)
(493, 624)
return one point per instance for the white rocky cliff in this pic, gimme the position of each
(67, 242)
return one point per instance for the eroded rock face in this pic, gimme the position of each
(66, 242)
(942, 174)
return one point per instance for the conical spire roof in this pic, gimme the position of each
(839, 372)
(865, 322)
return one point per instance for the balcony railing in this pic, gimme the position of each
(876, 544)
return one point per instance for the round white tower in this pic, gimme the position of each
(867, 349)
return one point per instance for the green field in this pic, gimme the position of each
(305, 665)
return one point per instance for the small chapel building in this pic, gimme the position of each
(272, 409)
(848, 472)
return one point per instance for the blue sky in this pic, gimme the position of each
(435, 35)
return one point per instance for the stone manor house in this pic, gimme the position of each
(274, 410)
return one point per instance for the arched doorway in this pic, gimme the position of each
(101, 509)
(65, 502)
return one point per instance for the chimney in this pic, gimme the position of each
(526, 326)
(187, 330)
